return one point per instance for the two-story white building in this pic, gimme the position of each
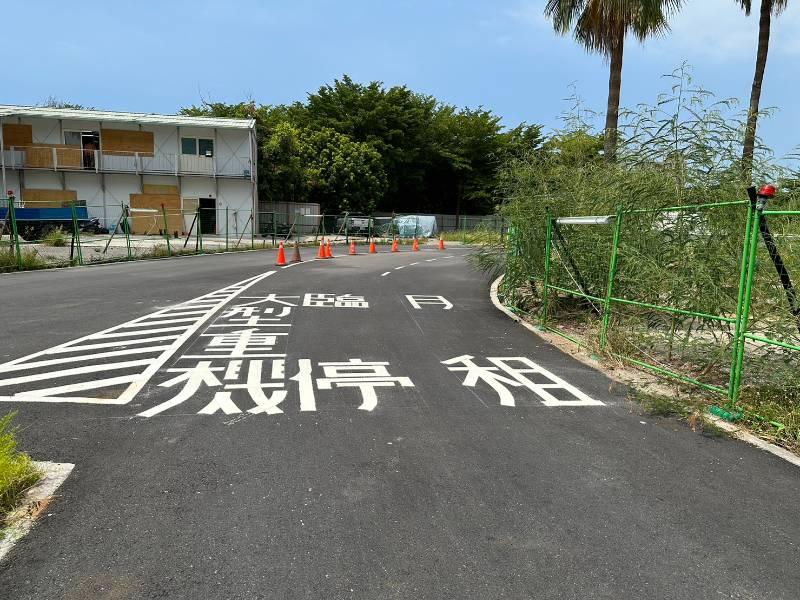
(110, 160)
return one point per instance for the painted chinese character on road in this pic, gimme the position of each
(516, 372)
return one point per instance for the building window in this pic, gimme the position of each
(197, 146)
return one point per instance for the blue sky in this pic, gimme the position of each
(158, 56)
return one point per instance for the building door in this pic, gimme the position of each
(88, 142)
(208, 215)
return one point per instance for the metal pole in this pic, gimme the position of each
(3, 155)
(77, 232)
(13, 217)
(733, 383)
(346, 228)
(166, 229)
(113, 231)
(548, 249)
(612, 273)
(199, 231)
(252, 231)
(127, 229)
(752, 263)
(226, 228)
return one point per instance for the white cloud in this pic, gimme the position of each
(715, 30)
(719, 30)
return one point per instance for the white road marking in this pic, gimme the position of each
(76, 371)
(139, 331)
(385, 274)
(430, 260)
(412, 264)
(516, 377)
(122, 343)
(418, 300)
(400, 267)
(298, 263)
(71, 359)
(76, 387)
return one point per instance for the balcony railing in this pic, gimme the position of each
(61, 158)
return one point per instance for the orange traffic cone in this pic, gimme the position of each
(296, 256)
(281, 256)
(372, 249)
(352, 247)
(415, 245)
(441, 243)
(328, 252)
(321, 253)
(394, 246)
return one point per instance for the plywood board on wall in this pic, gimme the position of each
(17, 135)
(152, 188)
(152, 221)
(121, 141)
(41, 156)
(35, 198)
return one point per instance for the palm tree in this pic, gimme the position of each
(601, 26)
(768, 8)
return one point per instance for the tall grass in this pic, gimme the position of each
(682, 150)
(17, 470)
(55, 237)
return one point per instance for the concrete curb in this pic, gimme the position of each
(734, 430)
(36, 500)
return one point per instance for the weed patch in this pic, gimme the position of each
(55, 237)
(17, 471)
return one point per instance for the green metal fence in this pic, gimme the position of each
(32, 239)
(710, 301)
(128, 232)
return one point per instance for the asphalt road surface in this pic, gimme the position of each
(363, 427)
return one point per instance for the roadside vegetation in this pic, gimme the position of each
(55, 237)
(17, 470)
(30, 260)
(639, 169)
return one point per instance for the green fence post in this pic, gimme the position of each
(744, 317)
(548, 249)
(612, 273)
(126, 227)
(12, 215)
(199, 232)
(166, 230)
(77, 232)
(733, 382)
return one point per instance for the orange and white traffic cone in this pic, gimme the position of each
(281, 256)
(372, 248)
(328, 251)
(415, 245)
(441, 243)
(296, 255)
(321, 253)
(394, 246)
(352, 247)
